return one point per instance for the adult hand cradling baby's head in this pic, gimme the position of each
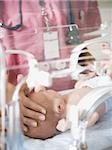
(54, 104)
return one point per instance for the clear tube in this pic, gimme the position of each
(2, 94)
(14, 133)
(21, 52)
(15, 136)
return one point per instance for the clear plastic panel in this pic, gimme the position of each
(53, 49)
(99, 50)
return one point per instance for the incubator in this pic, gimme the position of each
(35, 78)
(54, 57)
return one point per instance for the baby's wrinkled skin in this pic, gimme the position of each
(55, 106)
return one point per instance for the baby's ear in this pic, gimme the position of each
(59, 106)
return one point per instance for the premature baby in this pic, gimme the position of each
(54, 103)
(56, 106)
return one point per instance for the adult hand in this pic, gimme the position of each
(30, 111)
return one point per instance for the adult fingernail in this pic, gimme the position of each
(44, 111)
(42, 117)
(34, 124)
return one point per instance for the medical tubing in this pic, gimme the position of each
(2, 94)
(92, 100)
(21, 52)
(12, 130)
(70, 16)
(33, 68)
(75, 56)
(13, 125)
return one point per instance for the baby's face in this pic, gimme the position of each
(55, 106)
(56, 101)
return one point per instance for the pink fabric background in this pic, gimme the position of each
(30, 36)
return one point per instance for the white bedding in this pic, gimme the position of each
(99, 137)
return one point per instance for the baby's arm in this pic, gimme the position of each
(73, 98)
(103, 108)
(97, 115)
(64, 124)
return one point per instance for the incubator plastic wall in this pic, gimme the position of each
(53, 39)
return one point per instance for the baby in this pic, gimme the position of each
(56, 106)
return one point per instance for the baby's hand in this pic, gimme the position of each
(93, 119)
(63, 125)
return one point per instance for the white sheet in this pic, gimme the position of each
(99, 137)
(97, 81)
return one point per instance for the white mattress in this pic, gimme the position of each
(99, 137)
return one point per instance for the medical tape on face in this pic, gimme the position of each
(36, 77)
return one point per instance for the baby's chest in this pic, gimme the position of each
(77, 96)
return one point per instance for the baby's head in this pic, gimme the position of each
(55, 106)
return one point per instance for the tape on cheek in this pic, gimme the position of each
(63, 125)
